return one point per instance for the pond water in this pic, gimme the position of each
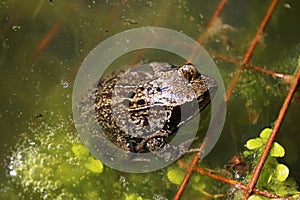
(43, 44)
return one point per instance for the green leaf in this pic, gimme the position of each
(133, 197)
(196, 184)
(277, 150)
(199, 187)
(265, 134)
(175, 176)
(282, 172)
(255, 197)
(80, 151)
(94, 165)
(254, 143)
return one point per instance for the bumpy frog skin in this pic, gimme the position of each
(140, 110)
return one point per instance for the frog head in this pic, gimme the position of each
(204, 86)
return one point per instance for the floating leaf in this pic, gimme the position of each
(247, 153)
(254, 143)
(175, 176)
(265, 134)
(133, 197)
(282, 172)
(277, 150)
(196, 184)
(80, 151)
(94, 165)
(255, 197)
(199, 187)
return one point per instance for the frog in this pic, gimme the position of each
(141, 109)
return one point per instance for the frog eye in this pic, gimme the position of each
(189, 72)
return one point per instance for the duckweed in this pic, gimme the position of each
(282, 172)
(80, 151)
(277, 150)
(199, 187)
(133, 197)
(274, 176)
(255, 197)
(197, 184)
(254, 143)
(175, 176)
(50, 162)
(265, 134)
(94, 165)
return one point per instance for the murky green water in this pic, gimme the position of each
(43, 45)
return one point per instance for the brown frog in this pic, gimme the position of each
(141, 109)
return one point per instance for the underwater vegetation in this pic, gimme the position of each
(49, 162)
